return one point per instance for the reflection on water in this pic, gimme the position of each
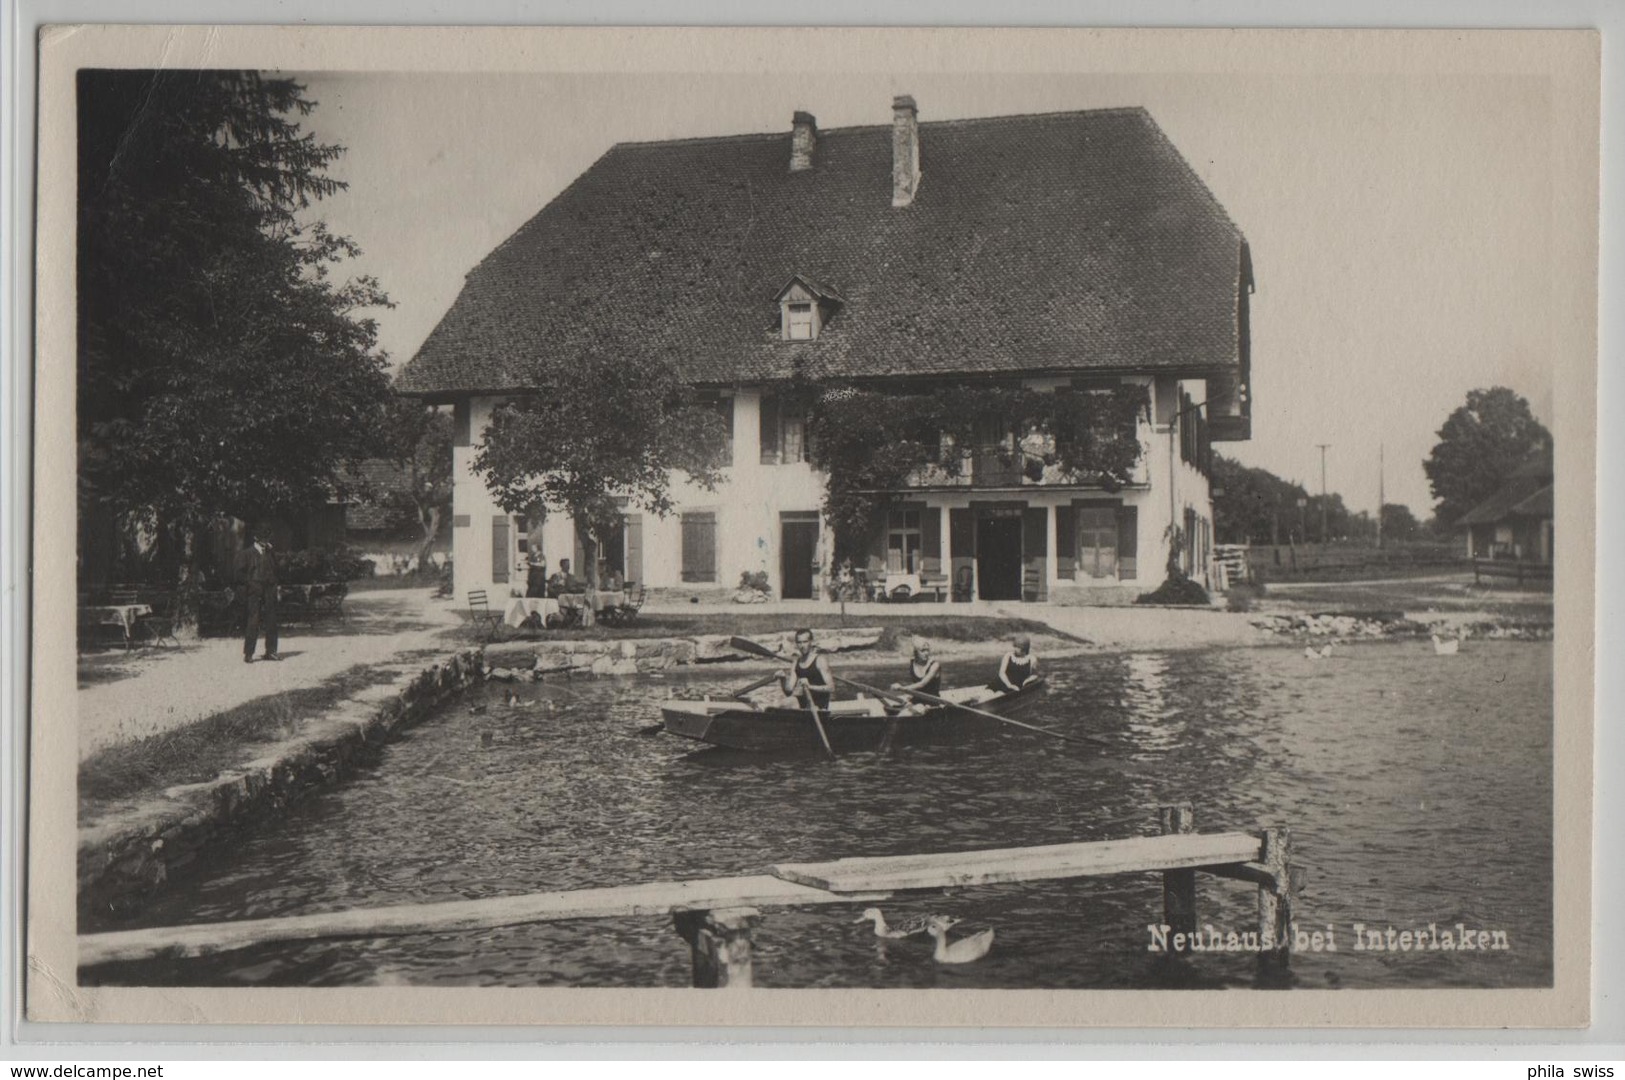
(1418, 790)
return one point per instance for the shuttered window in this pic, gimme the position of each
(499, 549)
(699, 546)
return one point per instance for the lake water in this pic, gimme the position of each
(1418, 790)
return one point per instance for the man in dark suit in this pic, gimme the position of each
(256, 577)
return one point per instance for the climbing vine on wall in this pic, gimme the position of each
(869, 442)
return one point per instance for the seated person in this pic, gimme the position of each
(808, 679)
(1019, 666)
(924, 673)
(564, 582)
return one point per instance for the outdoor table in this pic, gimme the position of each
(521, 608)
(123, 616)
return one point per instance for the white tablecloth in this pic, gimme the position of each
(521, 608)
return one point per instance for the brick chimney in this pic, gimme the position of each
(803, 139)
(905, 150)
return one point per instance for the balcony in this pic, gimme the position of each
(990, 468)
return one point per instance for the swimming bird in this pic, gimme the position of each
(1312, 653)
(1446, 646)
(475, 710)
(908, 929)
(962, 951)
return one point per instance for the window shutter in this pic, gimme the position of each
(499, 549)
(1128, 541)
(770, 430)
(634, 549)
(1066, 543)
(699, 547)
(931, 540)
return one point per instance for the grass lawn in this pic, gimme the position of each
(894, 628)
(201, 751)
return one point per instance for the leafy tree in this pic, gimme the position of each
(418, 443)
(1256, 506)
(222, 368)
(1399, 524)
(1479, 446)
(594, 428)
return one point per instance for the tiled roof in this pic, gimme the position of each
(1527, 493)
(1049, 242)
(1520, 496)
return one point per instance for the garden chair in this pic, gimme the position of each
(479, 610)
(329, 598)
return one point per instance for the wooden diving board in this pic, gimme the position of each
(844, 881)
(653, 898)
(1182, 851)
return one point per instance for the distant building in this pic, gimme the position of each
(1068, 251)
(1515, 522)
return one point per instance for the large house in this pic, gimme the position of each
(1067, 251)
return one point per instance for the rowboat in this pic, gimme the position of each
(865, 723)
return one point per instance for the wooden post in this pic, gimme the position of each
(1178, 886)
(1275, 899)
(720, 944)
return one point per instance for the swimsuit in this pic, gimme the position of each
(817, 688)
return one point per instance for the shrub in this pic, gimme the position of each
(1178, 589)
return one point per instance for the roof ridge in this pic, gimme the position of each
(956, 121)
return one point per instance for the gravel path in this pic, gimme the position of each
(156, 689)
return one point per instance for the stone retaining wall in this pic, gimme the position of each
(131, 853)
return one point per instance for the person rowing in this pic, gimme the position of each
(809, 678)
(1018, 668)
(924, 673)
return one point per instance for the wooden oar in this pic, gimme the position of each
(757, 649)
(904, 695)
(757, 685)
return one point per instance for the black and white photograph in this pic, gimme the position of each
(807, 510)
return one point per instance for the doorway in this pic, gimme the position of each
(798, 555)
(998, 558)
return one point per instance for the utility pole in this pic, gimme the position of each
(1382, 499)
(1323, 448)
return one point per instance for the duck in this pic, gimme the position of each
(908, 929)
(964, 950)
(476, 710)
(1446, 646)
(1312, 653)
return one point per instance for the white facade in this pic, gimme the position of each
(759, 509)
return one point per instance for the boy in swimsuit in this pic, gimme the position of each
(1019, 666)
(808, 676)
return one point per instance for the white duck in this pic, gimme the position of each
(908, 929)
(1312, 653)
(962, 951)
(1446, 646)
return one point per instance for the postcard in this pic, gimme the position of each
(810, 526)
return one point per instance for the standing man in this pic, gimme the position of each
(256, 576)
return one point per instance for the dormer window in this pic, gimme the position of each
(804, 307)
(799, 320)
